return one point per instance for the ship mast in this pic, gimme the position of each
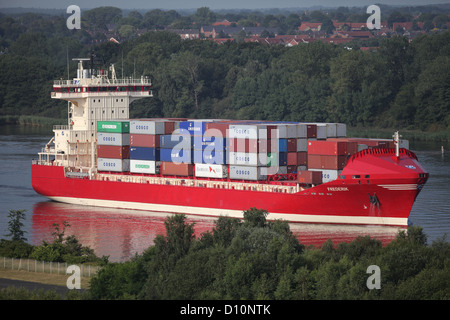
(396, 137)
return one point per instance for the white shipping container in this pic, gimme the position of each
(116, 165)
(248, 159)
(302, 144)
(282, 170)
(302, 130)
(341, 129)
(282, 130)
(291, 130)
(145, 166)
(113, 139)
(252, 131)
(247, 173)
(331, 129)
(243, 131)
(146, 127)
(203, 170)
(321, 131)
(328, 175)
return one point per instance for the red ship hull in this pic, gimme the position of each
(375, 187)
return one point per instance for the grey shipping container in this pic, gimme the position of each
(147, 127)
(247, 173)
(113, 139)
(116, 165)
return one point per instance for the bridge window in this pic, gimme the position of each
(357, 176)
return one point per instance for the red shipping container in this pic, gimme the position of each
(369, 142)
(292, 158)
(113, 152)
(249, 145)
(291, 145)
(145, 140)
(328, 162)
(218, 126)
(302, 158)
(177, 169)
(311, 131)
(331, 147)
(169, 127)
(309, 177)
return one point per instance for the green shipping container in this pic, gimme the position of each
(113, 126)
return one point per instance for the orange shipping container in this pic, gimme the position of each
(113, 152)
(331, 147)
(145, 140)
(177, 169)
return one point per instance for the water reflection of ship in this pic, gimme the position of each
(121, 233)
(118, 233)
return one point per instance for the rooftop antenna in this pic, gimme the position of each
(67, 56)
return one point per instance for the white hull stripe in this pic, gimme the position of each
(399, 186)
(372, 220)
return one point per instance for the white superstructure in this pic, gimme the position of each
(91, 98)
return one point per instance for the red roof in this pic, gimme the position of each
(222, 23)
(305, 26)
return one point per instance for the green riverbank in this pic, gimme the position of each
(361, 132)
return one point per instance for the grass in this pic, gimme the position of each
(44, 278)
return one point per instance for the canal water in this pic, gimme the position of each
(120, 234)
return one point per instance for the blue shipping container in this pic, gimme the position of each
(168, 141)
(282, 145)
(202, 142)
(194, 127)
(143, 153)
(176, 155)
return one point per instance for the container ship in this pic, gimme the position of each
(297, 171)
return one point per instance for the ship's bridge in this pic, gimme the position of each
(92, 96)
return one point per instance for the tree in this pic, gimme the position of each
(204, 16)
(15, 225)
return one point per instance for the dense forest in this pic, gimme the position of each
(260, 259)
(401, 83)
(251, 259)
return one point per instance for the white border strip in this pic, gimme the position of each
(233, 213)
(399, 186)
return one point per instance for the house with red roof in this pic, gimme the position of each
(310, 26)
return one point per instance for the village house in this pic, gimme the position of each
(310, 26)
(186, 34)
(215, 31)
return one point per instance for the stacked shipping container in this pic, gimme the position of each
(113, 146)
(144, 141)
(238, 150)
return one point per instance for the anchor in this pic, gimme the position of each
(374, 200)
